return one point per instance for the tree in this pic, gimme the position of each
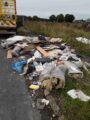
(35, 18)
(60, 18)
(52, 18)
(69, 18)
(29, 18)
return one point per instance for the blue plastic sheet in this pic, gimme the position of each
(17, 66)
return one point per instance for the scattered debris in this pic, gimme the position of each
(42, 51)
(83, 40)
(45, 67)
(12, 40)
(54, 105)
(18, 65)
(9, 54)
(40, 104)
(78, 94)
(34, 87)
(45, 101)
(56, 40)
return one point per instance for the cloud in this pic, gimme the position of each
(44, 8)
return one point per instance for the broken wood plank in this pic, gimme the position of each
(9, 54)
(42, 51)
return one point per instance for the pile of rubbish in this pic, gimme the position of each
(44, 61)
(83, 40)
(12, 40)
(47, 62)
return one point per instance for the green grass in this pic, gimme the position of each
(65, 30)
(74, 109)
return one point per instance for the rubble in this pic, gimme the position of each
(12, 40)
(45, 66)
(54, 105)
(50, 61)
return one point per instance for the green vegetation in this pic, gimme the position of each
(61, 18)
(69, 18)
(75, 109)
(68, 31)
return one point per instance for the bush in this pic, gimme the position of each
(69, 18)
(52, 18)
(60, 18)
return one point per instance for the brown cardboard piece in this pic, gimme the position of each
(9, 54)
(42, 51)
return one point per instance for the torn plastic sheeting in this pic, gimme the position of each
(56, 40)
(18, 47)
(79, 63)
(12, 40)
(17, 66)
(30, 60)
(53, 71)
(38, 66)
(78, 94)
(74, 57)
(45, 101)
(83, 40)
(32, 39)
(59, 72)
(16, 38)
(23, 45)
(73, 69)
(16, 50)
(48, 67)
(54, 53)
(50, 47)
(72, 93)
(35, 40)
(68, 55)
(37, 54)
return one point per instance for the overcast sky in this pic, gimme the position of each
(44, 8)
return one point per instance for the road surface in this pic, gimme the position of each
(15, 102)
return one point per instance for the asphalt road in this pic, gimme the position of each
(15, 102)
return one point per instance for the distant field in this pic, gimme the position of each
(68, 31)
